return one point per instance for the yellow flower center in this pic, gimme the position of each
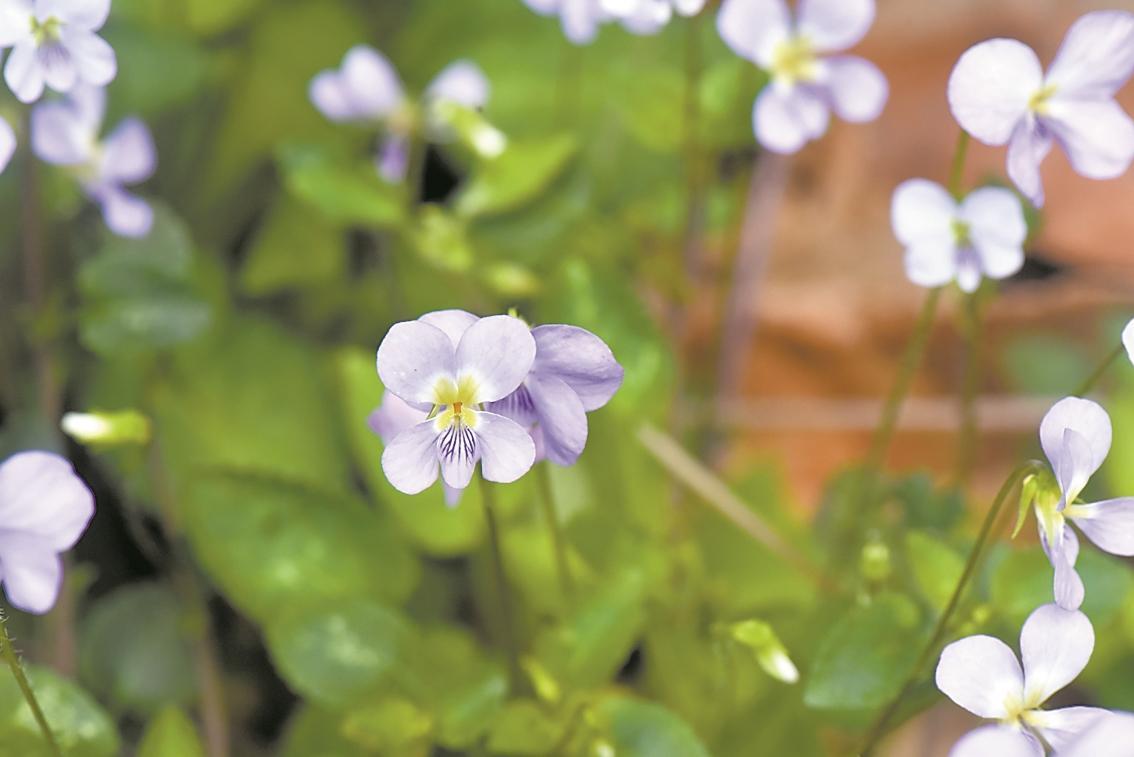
(1038, 103)
(794, 61)
(456, 401)
(46, 32)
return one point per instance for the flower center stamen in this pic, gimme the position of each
(1038, 103)
(794, 61)
(456, 400)
(962, 232)
(47, 31)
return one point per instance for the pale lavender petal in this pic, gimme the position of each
(1128, 340)
(125, 214)
(452, 496)
(1097, 56)
(997, 228)
(85, 14)
(784, 121)
(981, 674)
(1109, 524)
(458, 449)
(453, 322)
(371, 82)
(1067, 586)
(1055, 646)
(1098, 136)
(59, 137)
(579, 358)
(1060, 728)
(1076, 456)
(410, 460)
(88, 103)
(518, 406)
(833, 25)
(580, 19)
(968, 270)
(393, 159)
(128, 153)
(561, 416)
(753, 28)
(59, 67)
(94, 59)
(41, 495)
(329, 94)
(688, 7)
(7, 144)
(1108, 736)
(540, 448)
(15, 22)
(543, 7)
(646, 16)
(23, 72)
(1029, 145)
(999, 740)
(412, 358)
(922, 211)
(394, 416)
(931, 263)
(497, 352)
(858, 89)
(33, 571)
(991, 86)
(506, 449)
(461, 82)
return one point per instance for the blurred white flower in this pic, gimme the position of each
(649, 16)
(580, 18)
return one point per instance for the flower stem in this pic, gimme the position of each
(967, 438)
(957, 171)
(501, 582)
(17, 669)
(558, 542)
(1099, 372)
(878, 728)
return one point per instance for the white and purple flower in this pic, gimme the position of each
(7, 144)
(1075, 436)
(366, 90)
(393, 416)
(1109, 736)
(650, 16)
(574, 373)
(580, 18)
(44, 509)
(65, 133)
(983, 675)
(54, 44)
(452, 379)
(999, 94)
(805, 85)
(945, 240)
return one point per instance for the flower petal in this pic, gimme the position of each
(688, 7)
(1109, 524)
(858, 89)
(507, 450)
(646, 17)
(1059, 728)
(921, 210)
(411, 359)
(580, 359)
(15, 22)
(561, 416)
(23, 73)
(1076, 456)
(999, 740)
(410, 460)
(1108, 736)
(41, 495)
(997, 228)
(1097, 135)
(125, 214)
(458, 449)
(128, 153)
(498, 352)
(453, 322)
(932, 263)
(1128, 340)
(832, 25)
(94, 59)
(784, 121)
(58, 136)
(990, 88)
(1055, 646)
(1067, 586)
(393, 159)
(394, 416)
(1096, 57)
(981, 674)
(7, 144)
(371, 82)
(86, 14)
(329, 94)
(751, 28)
(1027, 149)
(33, 572)
(580, 19)
(461, 82)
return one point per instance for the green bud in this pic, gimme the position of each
(874, 562)
(100, 429)
(471, 128)
(770, 652)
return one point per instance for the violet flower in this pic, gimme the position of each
(999, 93)
(983, 675)
(1108, 736)
(54, 44)
(945, 240)
(794, 108)
(394, 416)
(65, 133)
(44, 508)
(580, 18)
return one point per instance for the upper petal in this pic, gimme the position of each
(753, 27)
(7, 144)
(579, 358)
(15, 21)
(561, 416)
(921, 210)
(1061, 727)
(94, 58)
(33, 572)
(981, 674)
(997, 228)
(461, 82)
(1027, 149)
(1075, 456)
(329, 94)
(128, 153)
(858, 89)
(580, 20)
(497, 352)
(1098, 135)
(410, 460)
(1107, 736)
(784, 121)
(990, 88)
(999, 740)
(453, 322)
(1097, 55)
(1109, 524)
(1055, 646)
(86, 14)
(506, 449)
(371, 82)
(832, 25)
(41, 495)
(58, 136)
(1063, 551)
(688, 7)
(412, 358)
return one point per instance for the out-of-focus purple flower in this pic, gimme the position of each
(54, 44)
(65, 133)
(999, 93)
(580, 18)
(805, 86)
(946, 240)
(649, 16)
(365, 89)
(574, 372)
(983, 675)
(451, 379)
(1128, 340)
(1075, 436)
(394, 416)
(44, 508)
(7, 144)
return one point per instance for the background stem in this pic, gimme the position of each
(967, 441)
(501, 582)
(1099, 372)
(558, 543)
(17, 669)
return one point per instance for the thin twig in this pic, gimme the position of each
(17, 669)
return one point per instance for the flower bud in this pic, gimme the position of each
(107, 429)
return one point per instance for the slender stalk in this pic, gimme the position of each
(957, 171)
(878, 728)
(501, 582)
(17, 669)
(1100, 371)
(558, 542)
(967, 438)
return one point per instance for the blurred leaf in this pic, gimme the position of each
(524, 728)
(165, 68)
(171, 734)
(345, 191)
(78, 723)
(316, 732)
(936, 567)
(208, 17)
(293, 249)
(643, 729)
(390, 726)
(146, 663)
(651, 107)
(441, 240)
(1044, 364)
(518, 176)
(865, 656)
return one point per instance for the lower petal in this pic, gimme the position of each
(23, 73)
(561, 416)
(1028, 147)
(410, 460)
(1102, 736)
(1097, 135)
(506, 449)
(1061, 727)
(94, 59)
(125, 214)
(931, 263)
(785, 121)
(1067, 585)
(393, 159)
(857, 87)
(458, 449)
(32, 572)
(999, 740)
(58, 137)
(128, 153)
(1109, 524)
(60, 69)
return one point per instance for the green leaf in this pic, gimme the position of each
(166, 68)
(392, 725)
(80, 726)
(643, 729)
(171, 734)
(517, 176)
(936, 567)
(317, 732)
(208, 17)
(863, 659)
(441, 239)
(524, 728)
(293, 249)
(143, 664)
(343, 190)
(649, 106)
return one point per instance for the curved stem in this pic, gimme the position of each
(967, 438)
(558, 543)
(17, 669)
(1100, 371)
(878, 728)
(501, 582)
(957, 171)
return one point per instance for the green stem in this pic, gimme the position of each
(878, 728)
(1100, 371)
(501, 582)
(957, 172)
(558, 542)
(17, 669)
(967, 438)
